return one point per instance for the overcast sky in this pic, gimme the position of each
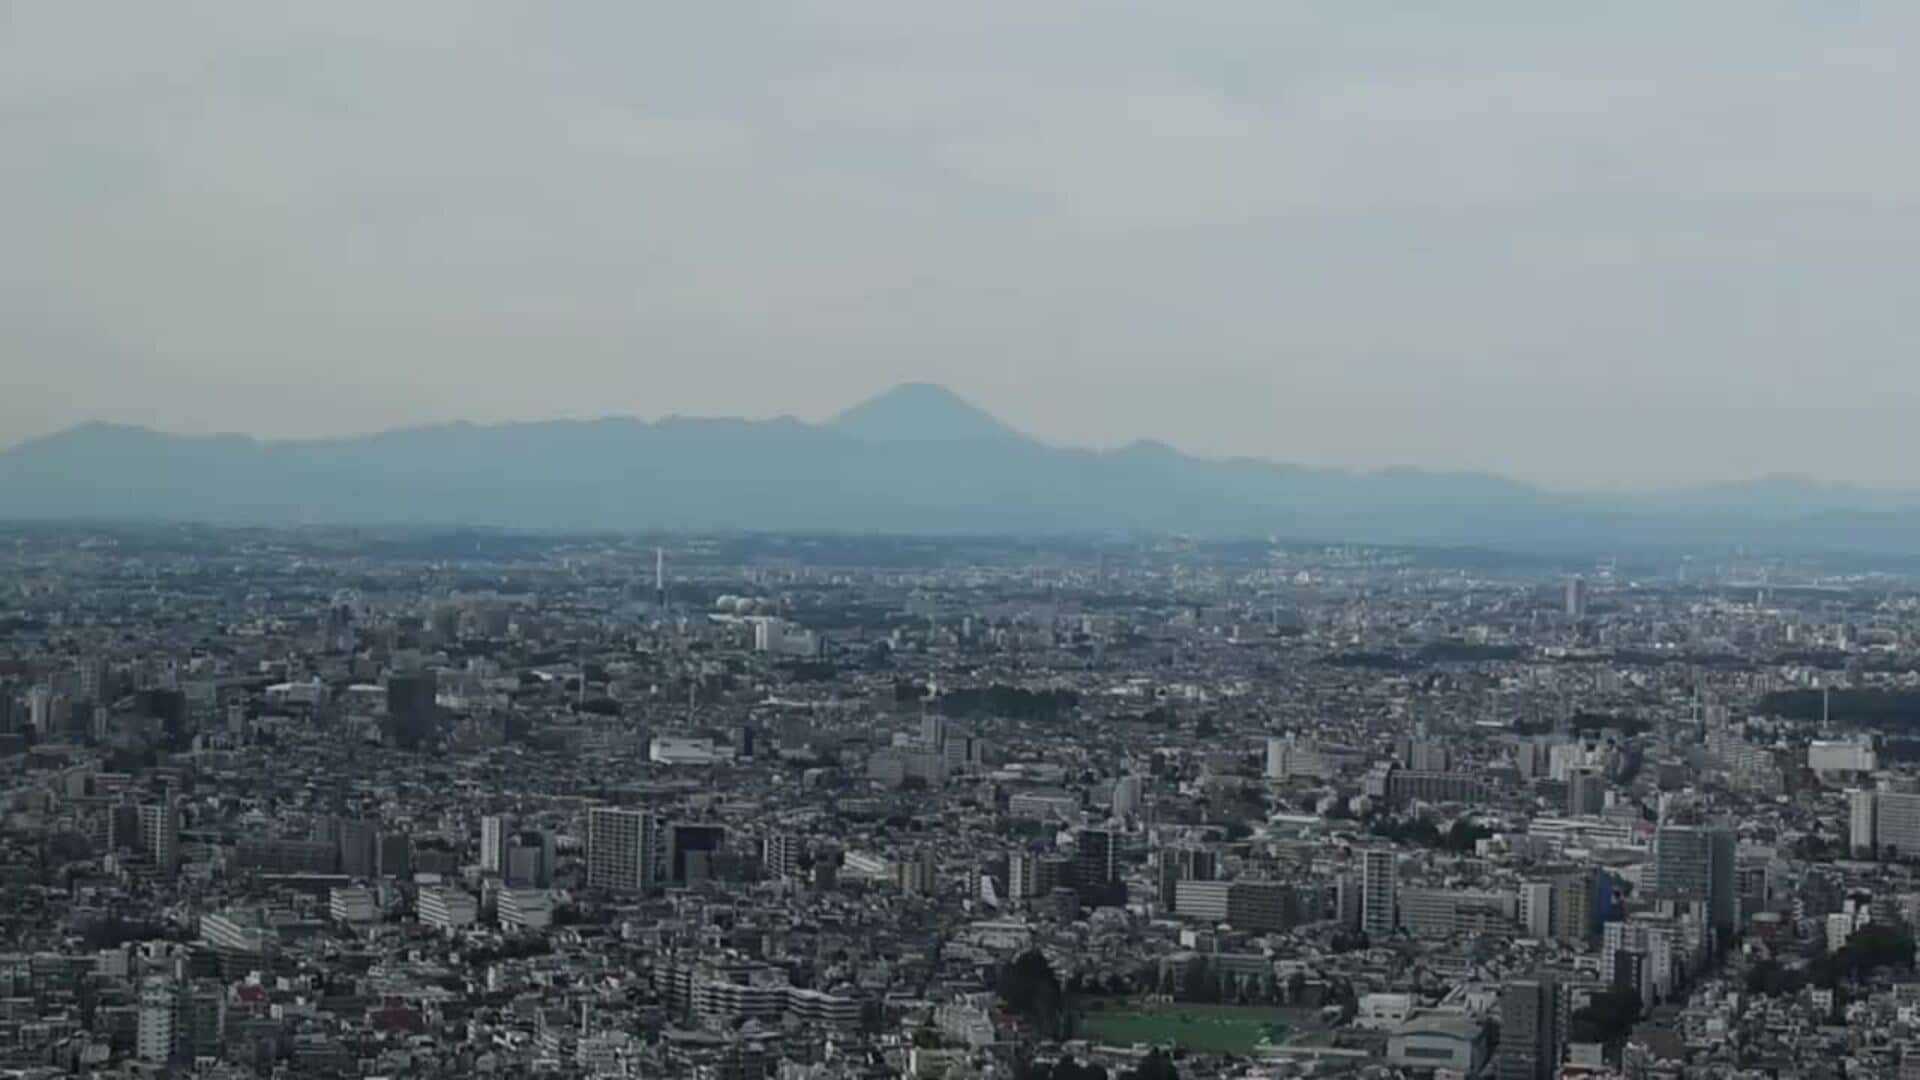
(1587, 244)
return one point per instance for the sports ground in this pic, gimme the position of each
(1202, 1029)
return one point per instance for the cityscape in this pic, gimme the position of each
(999, 540)
(458, 803)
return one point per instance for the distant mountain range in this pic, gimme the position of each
(916, 459)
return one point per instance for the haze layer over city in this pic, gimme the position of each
(973, 542)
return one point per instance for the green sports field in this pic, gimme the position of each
(1202, 1029)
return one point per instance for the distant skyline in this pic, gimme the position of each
(1625, 246)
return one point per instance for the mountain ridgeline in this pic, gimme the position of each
(916, 459)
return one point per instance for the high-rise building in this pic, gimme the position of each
(1379, 870)
(1577, 598)
(1172, 865)
(394, 855)
(1276, 758)
(1658, 943)
(1095, 862)
(95, 684)
(159, 835)
(1126, 796)
(1896, 824)
(1586, 792)
(529, 859)
(1573, 906)
(1530, 1035)
(359, 848)
(413, 713)
(780, 854)
(619, 849)
(1861, 822)
(495, 831)
(1023, 875)
(690, 850)
(1536, 909)
(1348, 903)
(1696, 865)
(159, 1007)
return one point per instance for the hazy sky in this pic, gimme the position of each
(1588, 244)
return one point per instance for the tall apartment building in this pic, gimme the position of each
(620, 850)
(159, 834)
(495, 831)
(1379, 877)
(780, 854)
(1862, 822)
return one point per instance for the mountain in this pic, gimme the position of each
(924, 413)
(916, 459)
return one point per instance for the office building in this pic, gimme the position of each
(529, 859)
(393, 856)
(1586, 793)
(1530, 1036)
(1095, 859)
(359, 845)
(1173, 865)
(1695, 865)
(620, 850)
(691, 849)
(413, 710)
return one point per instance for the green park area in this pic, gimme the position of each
(1202, 1029)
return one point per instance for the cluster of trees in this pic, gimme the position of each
(1030, 990)
(1894, 710)
(1608, 1017)
(1460, 837)
(1871, 947)
(1371, 661)
(1203, 984)
(1011, 702)
(1465, 652)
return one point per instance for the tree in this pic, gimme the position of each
(1608, 1017)
(1030, 990)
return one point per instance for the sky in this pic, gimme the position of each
(1592, 246)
